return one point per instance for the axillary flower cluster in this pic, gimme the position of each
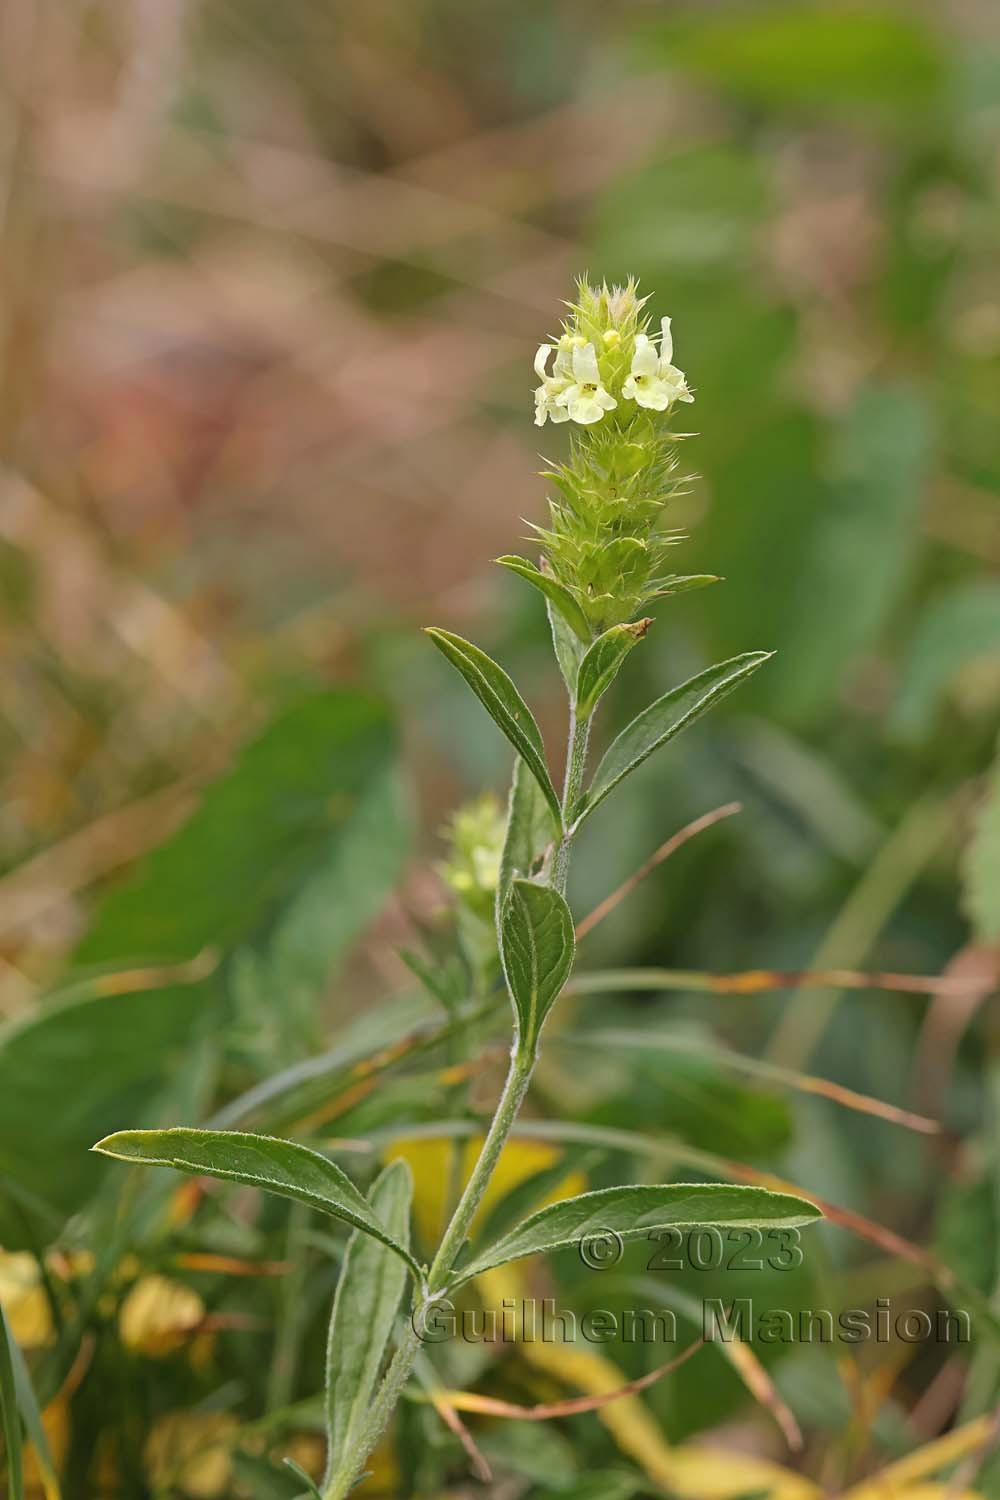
(615, 380)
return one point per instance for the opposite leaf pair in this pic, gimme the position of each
(651, 729)
(296, 1171)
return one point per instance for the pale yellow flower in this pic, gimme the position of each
(585, 399)
(24, 1300)
(159, 1315)
(654, 382)
(552, 385)
(191, 1450)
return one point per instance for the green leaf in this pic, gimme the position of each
(662, 721)
(260, 831)
(263, 1161)
(957, 639)
(525, 1195)
(537, 1451)
(503, 703)
(599, 1484)
(537, 946)
(364, 1309)
(718, 195)
(691, 1095)
(11, 1420)
(555, 592)
(281, 857)
(862, 549)
(965, 1232)
(982, 865)
(527, 834)
(632, 1213)
(810, 57)
(441, 972)
(343, 893)
(119, 1050)
(303, 1086)
(600, 666)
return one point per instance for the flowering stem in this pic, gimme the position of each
(613, 491)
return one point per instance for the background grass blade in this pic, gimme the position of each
(10, 1414)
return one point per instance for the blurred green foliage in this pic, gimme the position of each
(275, 278)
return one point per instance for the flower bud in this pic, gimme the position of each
(475, 835)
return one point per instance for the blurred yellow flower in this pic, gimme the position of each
(430, 1161)
(158, 1315)
(24, 1300)
(308, 1449)
(191, 1451)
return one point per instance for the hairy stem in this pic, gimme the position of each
(514, 1090)
(576, 764)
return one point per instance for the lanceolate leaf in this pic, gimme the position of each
(526, 1194)
(286, 810)
(136, 1036)
(528, 831)
(632, 1213)
(662, 721)
(537, 947)
(554, 591)
(368, 1292)
(263, 1161)
(503, 703)
(599, 667)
